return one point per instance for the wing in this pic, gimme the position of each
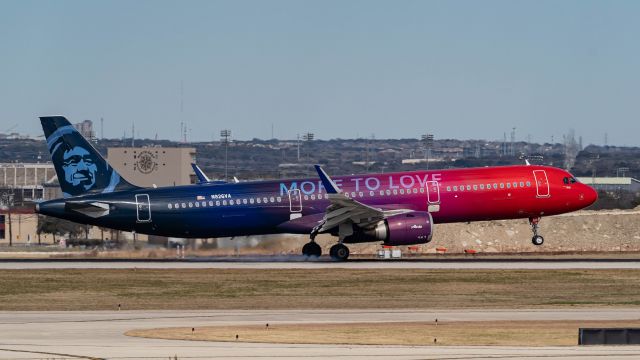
(347, 211)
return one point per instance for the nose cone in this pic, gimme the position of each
(590, 195)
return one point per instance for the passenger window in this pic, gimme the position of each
(515, 184)
(388, 192)
(271, 199)
(508, 185)
(461, 187)
(251, 201)
(415, 191)
(197, 204)
(395, 192)
(501, 185)
(306, 197)
(402, 191)
(279, 199)
(528, 183)
(371, 193)
(170, 206)
(224, 202)
(244, 201)
(360, 194)
(381, 192)
(495, 186)
(265, 200)
(231, 202)
(469, 187)
(481, 186)
(258, 200)
(455, 188)
(448, 188)
(217, 202)
(521, 184)
(475, 187)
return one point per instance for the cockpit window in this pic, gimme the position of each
(569, 180)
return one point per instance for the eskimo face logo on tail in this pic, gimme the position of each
(79, 168)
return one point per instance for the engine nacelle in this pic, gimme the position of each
(405, 229)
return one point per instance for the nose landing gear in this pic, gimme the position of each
(536, 239)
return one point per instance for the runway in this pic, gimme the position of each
(99, 334)
(298, 262)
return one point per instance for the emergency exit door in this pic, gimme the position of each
(143, 208)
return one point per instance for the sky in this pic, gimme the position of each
(338, 69)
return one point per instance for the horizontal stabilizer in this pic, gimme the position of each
(93, 209)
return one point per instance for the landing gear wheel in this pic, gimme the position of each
(311, 249)
(339, 252)
(537, 240)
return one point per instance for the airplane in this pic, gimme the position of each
(398, 208)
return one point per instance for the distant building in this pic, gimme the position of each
(149, 166)
(26, 182)
(86, 129)
(611, 184)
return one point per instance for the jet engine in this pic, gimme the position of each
(405, 229)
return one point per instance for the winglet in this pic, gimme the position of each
(202, 177)
(328, 184)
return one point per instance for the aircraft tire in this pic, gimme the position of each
(537, 240)
(311, 249)
(339, 252)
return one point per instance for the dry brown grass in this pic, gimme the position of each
(487, 333)
(315, 289)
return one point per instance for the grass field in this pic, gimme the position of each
(486, 333)
(315, 289)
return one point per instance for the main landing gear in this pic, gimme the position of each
(311, 249)
(536, 239)
(339, 252)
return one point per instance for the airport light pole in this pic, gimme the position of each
(427, 140)
(224, 136)
(307, 138)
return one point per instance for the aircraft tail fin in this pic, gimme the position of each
(202, 177)
(79, 166)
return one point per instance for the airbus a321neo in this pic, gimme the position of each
(392, 208)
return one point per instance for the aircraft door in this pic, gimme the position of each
(143, 208)
(433, 196)
(295, 204)
(542, 183)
